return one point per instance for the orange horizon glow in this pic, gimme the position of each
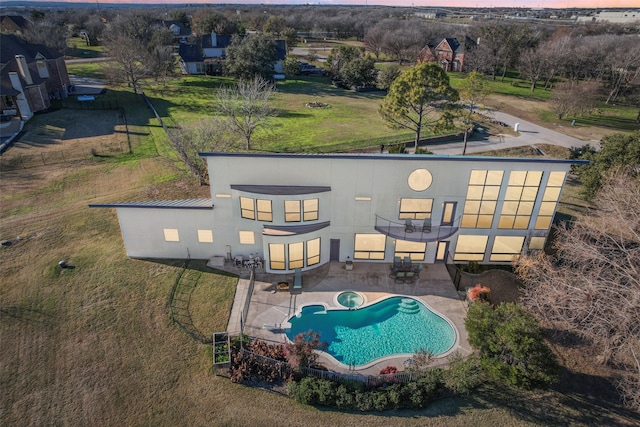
(525, 4)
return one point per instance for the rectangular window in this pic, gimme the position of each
(296, 255)
(310, 210)
(415, 208)
(415, 250)
(550, 200)
(247, 208)
(313, 251)
(507, 248)
(171, 235)
(448, 213)
(482, 196)
(537, 243)
(264, 210)
(205, 236)
(369, 246)
(276, 256)
(520, 198)
(470, 248)
(292, 211)
(441, 252)
(246, 237)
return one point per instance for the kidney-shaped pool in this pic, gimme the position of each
(393, 326)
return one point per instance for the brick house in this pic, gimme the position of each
(449, 53)
(30, 76)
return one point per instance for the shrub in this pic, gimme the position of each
(463, 375)
(512, 349)
(301, 352)
(344, 397)
(479, 293)
(388, 370)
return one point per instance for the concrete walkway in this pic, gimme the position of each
(270, 308)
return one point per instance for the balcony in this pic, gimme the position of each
(415, 230)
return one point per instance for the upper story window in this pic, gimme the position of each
(259, 209)
(519, 199)
(550, 200)
(301, 210)
(482, 197)
(415, 208)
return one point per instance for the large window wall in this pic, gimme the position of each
(482, 197)
(520, 199)
(415, 208)
(414, 250)
(550, 200)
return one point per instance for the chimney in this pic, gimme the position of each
(214, 41)
(24, 69)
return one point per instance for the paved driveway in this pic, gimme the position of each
(529, 134)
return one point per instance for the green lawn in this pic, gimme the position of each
(77, 48)
(351, 120)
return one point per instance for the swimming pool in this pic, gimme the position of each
(393, 326)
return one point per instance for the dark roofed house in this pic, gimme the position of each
(181, 34)
(448, 52)
(206, 55)
(14, 24)
(30, 76)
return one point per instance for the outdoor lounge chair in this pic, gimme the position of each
(408, 226)
(297, 279)
(426, 225)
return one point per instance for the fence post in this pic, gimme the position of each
(43, 161)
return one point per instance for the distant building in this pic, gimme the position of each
(449, 53)
(30, 76)
(615, 17)
(13, 24)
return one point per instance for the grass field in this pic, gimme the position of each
(93, 345)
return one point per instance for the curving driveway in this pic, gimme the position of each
(528, 134)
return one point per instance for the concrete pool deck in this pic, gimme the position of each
(270, 308)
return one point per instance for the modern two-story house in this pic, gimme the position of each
(302, 211)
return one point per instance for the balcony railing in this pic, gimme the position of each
(415, 230)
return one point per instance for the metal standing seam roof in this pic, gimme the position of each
(402, 157)
(281, 190)
(160, 204)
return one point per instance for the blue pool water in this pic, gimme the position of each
(395, 325)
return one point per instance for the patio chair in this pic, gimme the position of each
(409, 277)
(406, 263)
(426, 225)
(400, 277)
(297, 279)
(408, 226)
(397, 264)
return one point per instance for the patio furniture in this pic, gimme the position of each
(400, 275)
(408, 226)
(238, 261)
(406, 263)
(297, 279)
(426, 225)
(409, 277)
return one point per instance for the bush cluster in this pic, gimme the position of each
(461, 377)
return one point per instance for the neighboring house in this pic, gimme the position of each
(302, 211)
(13, 24)
(30, 76)
(181, 34)
(449, 53)
(206, 55)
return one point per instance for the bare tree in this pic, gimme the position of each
(574, 99)
(194, 138)
(246, 106)
(590, 286)
(49, 32)
(129, 61)
(373, 40)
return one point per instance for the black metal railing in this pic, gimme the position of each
(415, 230)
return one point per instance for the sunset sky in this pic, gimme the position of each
(425, 3)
